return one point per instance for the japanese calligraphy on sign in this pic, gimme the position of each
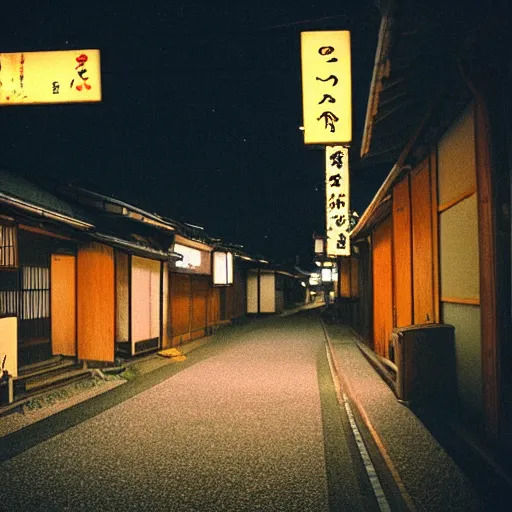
(337, 201)
(68, 76)
(326, 87)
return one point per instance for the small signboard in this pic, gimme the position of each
(337, 201)
(68, 76)
(326, 87)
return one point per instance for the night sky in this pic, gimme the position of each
(200, 114)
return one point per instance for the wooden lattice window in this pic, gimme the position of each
(8, 247)
(35, 298)
(8, 293)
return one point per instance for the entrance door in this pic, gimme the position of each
(63, 304)
(145, 304)
(95, 306)
(34, 314)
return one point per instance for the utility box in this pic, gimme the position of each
(425, 360)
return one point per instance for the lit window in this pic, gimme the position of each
(326, 275)
(222, 268)
(8, 247)
(191, 257)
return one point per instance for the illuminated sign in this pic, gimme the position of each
(337, 201)
(326, 87)
(68, 76)
(222, 268)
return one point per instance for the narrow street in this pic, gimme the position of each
(250, 422)
(256, 257)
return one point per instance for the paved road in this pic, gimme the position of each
(252, 426)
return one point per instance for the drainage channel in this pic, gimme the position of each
(387, 487)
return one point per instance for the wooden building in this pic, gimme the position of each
(433, 247)
(91, 278)
(122, 279)
(271, 289)
(194, 303)
(40, 236)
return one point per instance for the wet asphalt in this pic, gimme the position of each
(248, 422)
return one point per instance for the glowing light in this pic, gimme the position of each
(66, 76)
(326, 87)
(222, 268)
(191, 257)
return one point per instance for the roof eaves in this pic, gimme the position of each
(380, 196)
(380, 71)
(120, 207)
(143, 250)
(44, 212)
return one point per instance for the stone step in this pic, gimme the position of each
(46, 367)
(43, 376)
(43, 385)
(41, 365)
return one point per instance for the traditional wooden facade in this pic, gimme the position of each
(40, 236)
(122, 279)
(233, 299)
(194, 303)
(434, 244)
(272, 290)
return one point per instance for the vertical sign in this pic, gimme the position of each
(337, 201)
(326, 87)
(68, 76)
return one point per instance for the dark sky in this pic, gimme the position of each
(200, 114)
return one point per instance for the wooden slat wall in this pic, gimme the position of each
(229, 295)
(382, 288)
(423, 272)
(63, 304)
(239, 294)
(354, 277)
(200, 295)
(95, 287)
(194, 305)
(402, 256)
(345, 277)
(214, 306)
(179, 303)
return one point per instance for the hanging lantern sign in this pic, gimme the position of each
(326, 87)
(337, 201)
(67, 76)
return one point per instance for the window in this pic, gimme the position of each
(191, 257)
(222, 268)
(8, 247)
(35, 301)
(8, 293)
(25, 294)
